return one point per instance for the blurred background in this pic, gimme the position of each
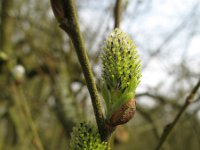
(42, 89)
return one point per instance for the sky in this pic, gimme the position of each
(149, 23)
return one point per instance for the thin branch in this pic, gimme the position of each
(66, 14)
(169, 128)
(118, 13)
(157, 97)
(160, 98)
(22, 102)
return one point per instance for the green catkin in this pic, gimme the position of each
(86, 137)
(121, 70)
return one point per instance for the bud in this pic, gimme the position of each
(86, 137)
(123, 114)
(58, 9)
(18, 73)
(121, 75)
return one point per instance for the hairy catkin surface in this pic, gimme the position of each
(86, 137)
(121, 64)
(121, 71)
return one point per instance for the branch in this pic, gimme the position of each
(169, 128)
(66, 15)
(118, 13)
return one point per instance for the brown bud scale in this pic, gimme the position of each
(123, 114)
(58, 9)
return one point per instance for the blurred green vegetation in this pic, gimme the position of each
(43, 92)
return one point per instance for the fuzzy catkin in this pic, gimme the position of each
(121, 70)
(86, 137)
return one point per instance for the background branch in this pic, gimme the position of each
(169, 128)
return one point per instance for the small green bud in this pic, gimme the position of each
(86, 137)
(121, 76)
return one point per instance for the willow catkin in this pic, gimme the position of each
(121, 75)
(86, 137)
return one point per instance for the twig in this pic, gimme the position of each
(160, 98)
(168, 129)
(118, 13)
(66, 15)
(157, 97)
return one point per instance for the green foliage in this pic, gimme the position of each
(86, 137)
(121, 70)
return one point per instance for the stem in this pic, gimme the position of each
(70, 25)
(171, 126)
(118, 13)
